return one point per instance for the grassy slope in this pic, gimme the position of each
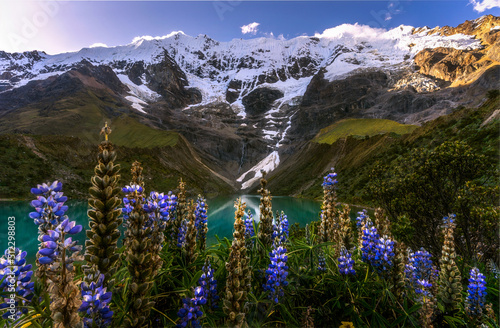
(59, 141)
(354, 158)
(360, 127)
(72, 161)
(81, 115)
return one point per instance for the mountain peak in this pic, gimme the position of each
(139, 39)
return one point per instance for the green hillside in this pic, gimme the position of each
(355, 158)
(360, 127)
(26, 160)
(79, 114)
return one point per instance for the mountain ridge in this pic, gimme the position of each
(246, 105)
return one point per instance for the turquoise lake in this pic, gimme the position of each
(220, 218)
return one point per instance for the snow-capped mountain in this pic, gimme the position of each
(263, 82)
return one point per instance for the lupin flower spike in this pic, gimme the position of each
(419, 267)
(49, 205)
(56, 255)
(277, 271)
(280, 229)
(209, 284)
(182, 209)
(321, 261)
(249, 222)
(201, 222)
(377, 251)
(343, 235)
(49, 213)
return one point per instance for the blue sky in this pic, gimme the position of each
(61, 26)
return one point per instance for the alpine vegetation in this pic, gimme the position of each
(164, 271)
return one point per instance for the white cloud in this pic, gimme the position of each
(482, 5)
(388, 17)
(98, 44)
(250, 28)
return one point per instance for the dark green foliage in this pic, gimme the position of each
(104, 216)
(429, 184)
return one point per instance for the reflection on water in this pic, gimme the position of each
(220, 217)
(221, 212)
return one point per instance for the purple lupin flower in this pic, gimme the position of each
(16, 274)
(209, 284)
(476, 294)
(190, 312)
(346, 263)
(95, 305)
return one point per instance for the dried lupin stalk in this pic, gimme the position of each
(343, 235)
(450, 285)
(181, 213)
(142, 263)
(190, 244)
(266, 213)
(398, 271)
(329, 219)
(308, 320)
(238, 282)
(104, 212)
